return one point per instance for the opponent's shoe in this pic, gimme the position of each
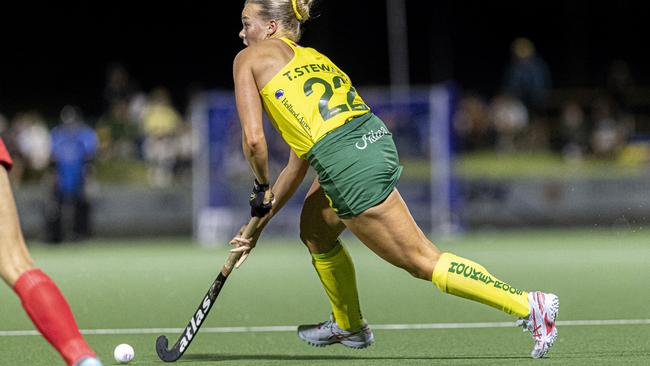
(89, 361)
(326, 333)
(541, 321)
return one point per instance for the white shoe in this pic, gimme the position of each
(89, 361)
(541, 321)
(326, 333)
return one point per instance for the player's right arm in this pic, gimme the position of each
(252, 68)
(249, 109)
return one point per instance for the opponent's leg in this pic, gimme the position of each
(14, 257)
(40, 297)
(390, 231)
(319, 230)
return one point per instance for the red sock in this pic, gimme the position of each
(51, 314)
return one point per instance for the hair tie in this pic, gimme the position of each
(294, 3)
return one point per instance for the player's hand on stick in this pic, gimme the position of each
(243, 245)
(261, 199)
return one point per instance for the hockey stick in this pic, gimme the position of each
(201, 313)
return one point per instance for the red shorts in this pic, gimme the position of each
(5, 159)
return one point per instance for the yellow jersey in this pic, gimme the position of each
(308, 98)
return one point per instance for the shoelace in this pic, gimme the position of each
(526, 324)
(340, 334)
(528, 327)
(326, 324)
(329, 324)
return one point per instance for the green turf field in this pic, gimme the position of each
(598, 274)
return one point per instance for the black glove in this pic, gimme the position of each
(258, 207)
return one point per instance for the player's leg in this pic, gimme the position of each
(389, 230)
(319, 230)
(319, 226)
(40, 297)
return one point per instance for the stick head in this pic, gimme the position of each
(165, 354)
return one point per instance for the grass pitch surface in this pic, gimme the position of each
(139, 285)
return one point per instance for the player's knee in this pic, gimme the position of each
(315, 242)
(309, 235)
(310, 239)
(306, 235)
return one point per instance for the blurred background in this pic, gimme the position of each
(506, 114)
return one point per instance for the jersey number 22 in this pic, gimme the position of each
(323, 104)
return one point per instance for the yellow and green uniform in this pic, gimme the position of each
(465, 278)
(336, 272)
(309, 98)
(318, 112)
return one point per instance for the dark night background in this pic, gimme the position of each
(58, 54)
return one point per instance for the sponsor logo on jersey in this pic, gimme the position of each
(279, 93)
(300, 119)
(371, 137)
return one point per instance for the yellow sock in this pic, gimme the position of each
(336, 272)
(462, 277)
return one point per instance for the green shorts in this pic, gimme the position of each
(357, 165)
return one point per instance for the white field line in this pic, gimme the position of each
(292, 328)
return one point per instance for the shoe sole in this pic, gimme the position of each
(346, 344)
(554, 310)
(555, 307)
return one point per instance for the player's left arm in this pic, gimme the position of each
(283, 189)
(288, 182)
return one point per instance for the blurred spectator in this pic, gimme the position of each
(33, 140)
(472, 124)
(608, 135)
(620, 85)
(120, 127)
(28, 140)
(137, 107)
(573, 132)
(161, 123)
(73, 147)
(510, 118)
(136, 111)
(527, 76)
(184, 152)
(8, 134)
(119, 87)
(117, 133)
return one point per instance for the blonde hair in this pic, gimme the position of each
(290, 14)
